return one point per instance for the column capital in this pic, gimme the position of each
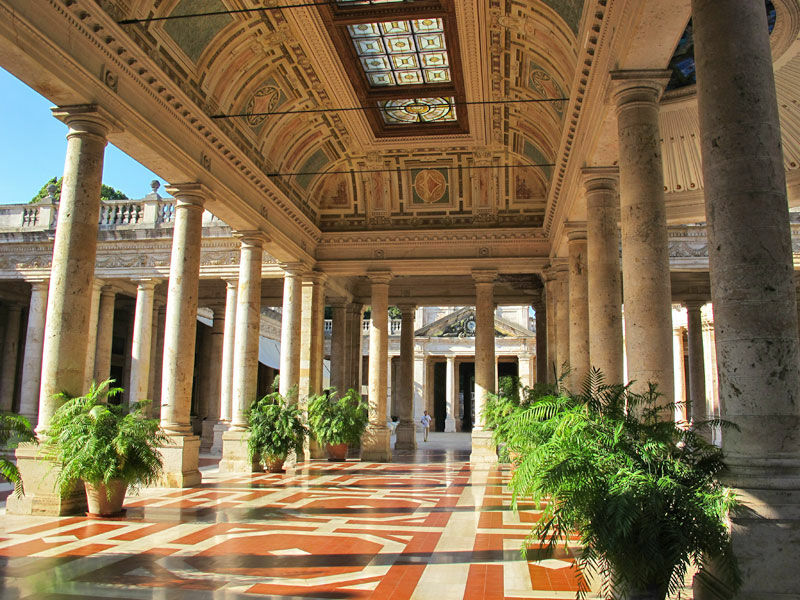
(253, 238)
(600, 178)
(315, 277)
(694, 303)
(146, 282)
(38, 280)
(188, 194)
(108, 290)
(484, 275)
(294, 269)
(576, 232)
(407, 307)
(630, 88)
(379, 277)
(87, 119)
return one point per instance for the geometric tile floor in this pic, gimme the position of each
(417, 529)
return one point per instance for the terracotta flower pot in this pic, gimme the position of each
(336, 451)
(103, 502)
(273, 464)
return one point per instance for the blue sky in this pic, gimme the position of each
(34, 145)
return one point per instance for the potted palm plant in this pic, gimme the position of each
(337, 423)
(640, 490)
(108, 447)
(14, 430)
(276, 428)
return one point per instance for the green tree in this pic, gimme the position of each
(106, 191)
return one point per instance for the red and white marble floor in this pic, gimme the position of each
(417, 530)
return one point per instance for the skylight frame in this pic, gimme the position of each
(337, 18)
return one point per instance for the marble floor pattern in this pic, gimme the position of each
(427, 526)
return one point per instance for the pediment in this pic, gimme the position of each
(461, 324)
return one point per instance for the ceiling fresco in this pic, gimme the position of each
(255, 72)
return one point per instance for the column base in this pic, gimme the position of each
(236, 455)
(181, 462)
(220, 427)
(449, 425)
(41, 495)
(207, 434)
(376, 444)
(405, 436)
(315, 450)
(484, 452)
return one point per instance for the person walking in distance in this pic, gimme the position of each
(426, 424)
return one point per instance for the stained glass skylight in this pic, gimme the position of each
(417, 110)
(412, 52)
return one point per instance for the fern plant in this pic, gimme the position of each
(276, 427)
(640, 490)
(99, 442)
(14, 430)
(337, 421)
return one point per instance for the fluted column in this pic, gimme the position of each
(312, 334)
(645, 251)
(91, 344)
(235, 455)
(181, 456)
(483, 450)
(578, 309)
(405, 432)
(375, 444)
(226, 371)
(752, 288)
(696, 397)
(450, 395)
(105, 334)
(562, 319)
(605, 288)
(290, 328)
(542, 333)
(69, 297)
(339, 347)
(142, 341)
(32, 361)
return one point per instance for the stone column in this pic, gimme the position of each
(752, 288)
(182, 455)
(696, 411)
(551, 293)
(235, 455)
(524, 369)
(605, 289)
(562, 319)
(483, 449)
(290, 328)
(157, 357)
(375, 445)
(355, 315)
(105, 335)
(32, 361)
(578, 310)
(542, 334)
(69, 297)
(226, 371)
(405, 432)
(8, 371)
(680, 374)
(645, 252)
(339, 347)
(450, 395)
(312, 335)
(214, 379)
(141, 347)
(91, 346)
